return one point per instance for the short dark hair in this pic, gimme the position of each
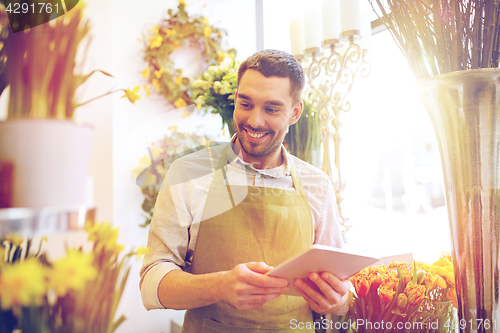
(277, 63)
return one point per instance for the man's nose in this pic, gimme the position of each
(256, 118)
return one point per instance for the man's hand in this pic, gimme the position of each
(333, 296)
(246, 287)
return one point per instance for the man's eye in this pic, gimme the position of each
(272, 110)
(245, 105)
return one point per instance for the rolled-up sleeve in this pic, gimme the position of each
(167, 241)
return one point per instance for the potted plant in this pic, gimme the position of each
(49, 151)
(77, 293)
(452, 46)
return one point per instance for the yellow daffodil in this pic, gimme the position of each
(150, 180)
(142, 251)
(182, 2)
(178, 80)
(169, 32)
(103, 235)
(117, 249)
(205, 21)
(173, 128)
(198, 106)
(207, 31)
(155, 41)
(220, 57)
(160, 169)
(147, 89)
(157, 152)
(22, 283)
(155, 29)
(158, 73)
(156, 84)
(71, 272)
(145, 73)
(180, 103)
(145, 160)
(132, 95)
(175, 45)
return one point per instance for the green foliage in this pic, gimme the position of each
(150, 176)
(304, 137)
(215, 88)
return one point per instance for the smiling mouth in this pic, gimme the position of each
(255, 135)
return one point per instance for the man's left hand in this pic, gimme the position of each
(333, 296)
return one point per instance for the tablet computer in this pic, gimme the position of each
(321, 258)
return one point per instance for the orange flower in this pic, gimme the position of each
(402, 300)
(386, 293)
(452, 295)
(392, 283)
(415, 293)
(376, 280)
(361, 284)
(407, 276)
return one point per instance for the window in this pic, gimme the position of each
(394, 196)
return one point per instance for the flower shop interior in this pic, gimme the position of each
(384, 155)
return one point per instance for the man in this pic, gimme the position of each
(217, 230)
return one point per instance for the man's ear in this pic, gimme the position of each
(297, 112)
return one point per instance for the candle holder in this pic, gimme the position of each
(330, 78)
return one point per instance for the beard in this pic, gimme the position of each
(270, 145)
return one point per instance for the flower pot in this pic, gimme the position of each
(50, 161)
(465, 111)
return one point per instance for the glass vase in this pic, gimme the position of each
(464, 110)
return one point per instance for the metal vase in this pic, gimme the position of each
(464, 108)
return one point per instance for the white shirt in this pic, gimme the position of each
(178, 210)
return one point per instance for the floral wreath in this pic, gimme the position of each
(176, 30)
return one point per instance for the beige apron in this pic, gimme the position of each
(269, 225)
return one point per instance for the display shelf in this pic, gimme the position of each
(28, 222)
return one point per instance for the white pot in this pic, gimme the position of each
(50, 159)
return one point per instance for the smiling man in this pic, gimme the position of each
(212, 238)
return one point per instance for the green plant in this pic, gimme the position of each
(78, 293)
(304, 137)
(215, 88)
(41, 63)
(442, 36)
(151, 173)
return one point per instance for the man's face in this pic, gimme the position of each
(263, 111)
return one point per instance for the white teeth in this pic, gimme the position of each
(256, 135)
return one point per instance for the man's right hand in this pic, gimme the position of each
(246, 287)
